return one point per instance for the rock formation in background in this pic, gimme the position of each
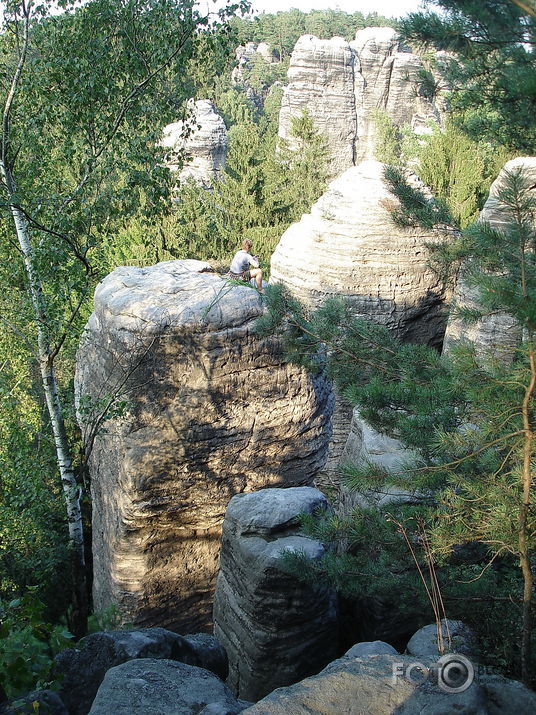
(366, 446)
(348, 246)
(209, 411)
(197, 147)
(499, 334)
(275, 628)
(341, 84)
(246, 55)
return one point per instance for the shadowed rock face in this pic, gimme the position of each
(211, 410)
(201, 142)
(496, 335)
(275, 628)
(341, 84)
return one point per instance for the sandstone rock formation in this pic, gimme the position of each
(82, 669)
(341, 84)
(274, 628)
(209, 411)
(155, 687)
(359, 650)
(246, 55)
(366, 446)
(348, 246)
(498, 334)
(197, 147)
(457, 637)
(389, 684)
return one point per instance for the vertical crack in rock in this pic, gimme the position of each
(341, 84)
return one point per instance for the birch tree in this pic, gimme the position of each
(84, 95)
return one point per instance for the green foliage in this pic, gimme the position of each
(28, 645)
(416, 207)
(469, 419)
(492, 70)
(281, 30)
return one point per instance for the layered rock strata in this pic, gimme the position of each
(199, 409)
(348, 246)
(197, 147)
(341, 85)
(496, 335)
(275, 628)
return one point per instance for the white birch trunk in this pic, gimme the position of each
(68, 480)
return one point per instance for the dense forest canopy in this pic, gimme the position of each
(85, 96)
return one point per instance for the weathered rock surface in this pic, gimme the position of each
(158, 687)
(341, 84)
(201, 141)
(495, 335)
(389, 684)
(366, 446)
(274, 628)
(348, 246)
(360, 650)
(211, 411)
(83, 668)
(457, 637)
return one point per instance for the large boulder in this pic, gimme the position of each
(342, 84)
(82, 669)
(275, 628)
(401, 685)
(158, 687)
(197, 147)
(498, 334)
(199, 409)
(456, 635)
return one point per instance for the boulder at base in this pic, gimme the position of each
(162, 687)
(395, 685)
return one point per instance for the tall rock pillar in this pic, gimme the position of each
(196, 408)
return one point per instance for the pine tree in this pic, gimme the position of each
(490, 67)
(473, 425)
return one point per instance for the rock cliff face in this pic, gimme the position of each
(498, 334)
(210, 410)
(201, 141)
(341, 84)
(245, 56)
(275, 628)
(348, 246)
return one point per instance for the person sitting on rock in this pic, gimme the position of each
(244, 266)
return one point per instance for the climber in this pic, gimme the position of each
(244, 266)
